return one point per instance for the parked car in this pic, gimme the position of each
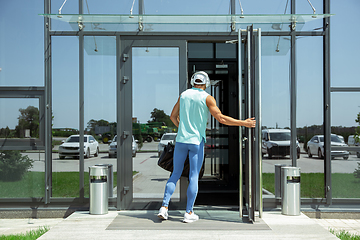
(316, 146)
(165, 139)
(70, 147)
(113, 147)
(352, 142)
(277, 142)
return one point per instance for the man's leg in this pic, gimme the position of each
(180, 154)
(196, 156)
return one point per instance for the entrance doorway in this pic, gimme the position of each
(153, 74)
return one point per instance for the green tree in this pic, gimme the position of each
(4, 132)
(28, 119)
(93, 123)
(13, 165)
(158, 115)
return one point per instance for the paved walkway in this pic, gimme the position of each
(212, 225)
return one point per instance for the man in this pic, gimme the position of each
(190, 115)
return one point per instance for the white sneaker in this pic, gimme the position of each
(189, 218)
(163, 213)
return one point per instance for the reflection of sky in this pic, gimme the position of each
(21, 63)
(155, 80)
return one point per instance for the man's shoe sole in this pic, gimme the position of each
(162, 217)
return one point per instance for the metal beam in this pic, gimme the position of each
(81, 108)
(327, 101)
(48, 103)
(345, 89)
(293, 149)
(183, 35)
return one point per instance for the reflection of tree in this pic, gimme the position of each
(158, 115)
(5, 132)
(28, 119)
(93, 123)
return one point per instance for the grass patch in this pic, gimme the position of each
(65, 184)
(312, 184)
(343, 235)
(345, 185)
(30, 235)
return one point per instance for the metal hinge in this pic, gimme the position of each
(126, 134)
(125, 79)
(125, 57)
(126, 189)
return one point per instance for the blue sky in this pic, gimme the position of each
(21, 63)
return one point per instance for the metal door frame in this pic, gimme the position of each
(250, 87)
(124, 45)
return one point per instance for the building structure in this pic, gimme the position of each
(235, 49)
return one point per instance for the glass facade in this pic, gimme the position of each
(93, 108)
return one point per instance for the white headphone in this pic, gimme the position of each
(196, 76)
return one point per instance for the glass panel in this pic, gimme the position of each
(225, 50)
(100, 104)
(181, 23)
(21, 172)
(155, 79)
(21, 56)
(65, 101)
(69, 7)
(200, 50)
(309, 120)
(19, 118)
(345, 167)
(275, 108)
(344, 60)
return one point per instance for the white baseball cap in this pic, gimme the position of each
(200, 77)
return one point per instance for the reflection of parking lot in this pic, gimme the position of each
(314, 164)
(306, 164)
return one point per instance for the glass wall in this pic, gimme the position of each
(21, 172)
(65, 102)
(345, 165)
(100, 103)
(310, 115)
(21, 44)
(155, 89)
(275, 107)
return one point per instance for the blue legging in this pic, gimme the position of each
(196, 156)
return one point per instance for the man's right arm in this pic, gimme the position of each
(226, 120)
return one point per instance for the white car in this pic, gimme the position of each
(352, 142)
(316, 147)
(165, 139)
(113, 147)
(70, 148)
(277, 142)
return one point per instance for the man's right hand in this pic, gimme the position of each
(250, 122)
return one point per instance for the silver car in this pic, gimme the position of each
(70, 148)
(165, 139)
(316, 147)
(113, 147)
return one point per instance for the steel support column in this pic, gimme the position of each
(81, 108)
(48, 104)
(293, 150)
(326, 107)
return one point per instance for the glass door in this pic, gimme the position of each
(152, 75)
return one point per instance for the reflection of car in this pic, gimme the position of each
(113, 147)
(70, 148)
(352, 142)
(316, 147)
(165, 139)
(277, 142)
